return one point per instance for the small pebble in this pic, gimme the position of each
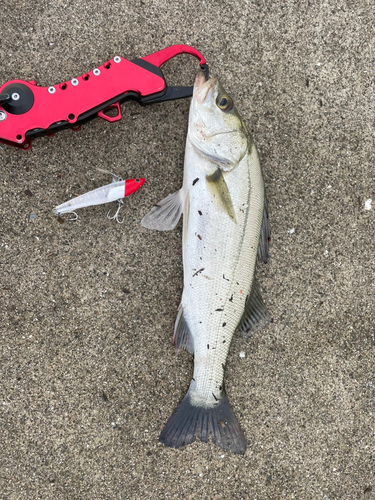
(242, 354)
(32, 216)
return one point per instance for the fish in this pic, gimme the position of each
(225, 230)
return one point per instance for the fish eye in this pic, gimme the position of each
(224, 102)
(137, 180)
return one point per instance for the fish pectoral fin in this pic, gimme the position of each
(255, 316)
(165, 215)
(220, 193)
(182, 337)
(265, 235)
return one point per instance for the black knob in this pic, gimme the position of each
(20, 98)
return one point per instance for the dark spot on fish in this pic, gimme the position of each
(200, 213)
(199, 236)
(219, 309)
(208, 346)
(222, 364)
(224, 324)
(195, 181)
(224, 341)
(226, 278)
(220, 388)
(193, 378)
(215, 397)
(231, 299)
(236, 282)
(199, 271)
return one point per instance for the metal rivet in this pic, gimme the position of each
(117, 59)
(74, 82)
(96, 72)
(51, 90)
(3, 116)
(15, 96)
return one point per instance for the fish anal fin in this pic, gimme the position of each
(255, 316)
(265, 235)
(165, 215)
(182, 337)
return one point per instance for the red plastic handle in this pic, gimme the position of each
(162, 56)
(86, 96)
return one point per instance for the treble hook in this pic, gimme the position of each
(115, 217)
(76, 216)
(59, 213)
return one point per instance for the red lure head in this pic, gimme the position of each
(132, 185)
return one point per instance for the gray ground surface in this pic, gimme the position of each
(89, 376)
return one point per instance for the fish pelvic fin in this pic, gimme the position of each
(255, 316)
(189, 421)
(165, 215)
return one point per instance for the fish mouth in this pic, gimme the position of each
(203, 89)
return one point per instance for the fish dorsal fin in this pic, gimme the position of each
(220, 193)
(255, 316)
(165, 215)
(182, 337)
(265, 235)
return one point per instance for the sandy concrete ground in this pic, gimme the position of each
(89, 376)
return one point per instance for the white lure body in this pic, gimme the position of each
(104, 194)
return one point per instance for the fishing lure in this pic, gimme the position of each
(115, 191)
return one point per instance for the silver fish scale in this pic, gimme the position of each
(219, 263)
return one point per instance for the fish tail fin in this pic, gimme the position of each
(189, 421)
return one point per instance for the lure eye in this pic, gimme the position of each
(224, 102)
(137, 180)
